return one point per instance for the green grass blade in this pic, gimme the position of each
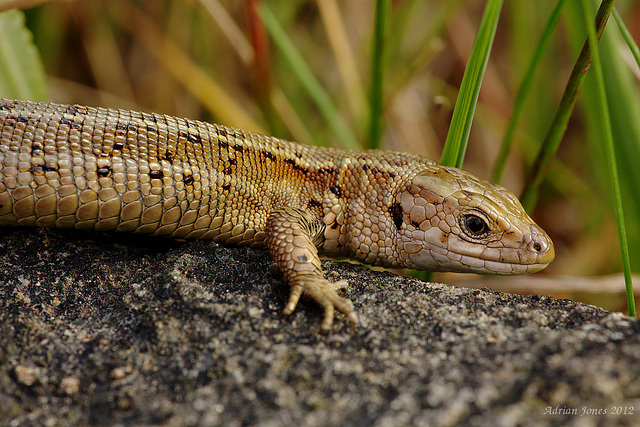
(377, 73)
(458, 136)
(628, 38)
(611, 155)
(21, 71)
(346, 61)
(525, 89)
(306, 77)
(561, 117)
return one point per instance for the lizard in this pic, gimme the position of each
(73, 166)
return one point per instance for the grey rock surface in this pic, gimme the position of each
(107, 329)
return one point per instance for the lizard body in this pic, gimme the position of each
(107, 169)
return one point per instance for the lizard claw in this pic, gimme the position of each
(324, 293)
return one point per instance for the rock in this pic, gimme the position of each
(129, 329)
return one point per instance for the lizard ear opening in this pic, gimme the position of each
(396, 214)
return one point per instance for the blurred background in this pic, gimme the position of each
(216, 60)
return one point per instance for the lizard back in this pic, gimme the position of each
(108, 169)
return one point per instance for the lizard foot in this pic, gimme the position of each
(324, 293)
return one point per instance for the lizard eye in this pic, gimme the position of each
(474, 225)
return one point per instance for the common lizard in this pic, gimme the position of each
(73, 166)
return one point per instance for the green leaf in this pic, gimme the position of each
(558, 125)
(610, 155)
(458, 136)
(377, 72)
(21, 71)
(525, 89)
(303, 73)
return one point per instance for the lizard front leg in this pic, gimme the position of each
(292, 236)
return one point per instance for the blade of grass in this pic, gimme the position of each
(524, 90)
(184, 69)
(624, 109)
(345, 59)
(21, 70)
(230, 29)
(458, 136)
(377, 72)
(306, 77)
(261, 70)
(628, 38)
(611, 155)
(561, 117)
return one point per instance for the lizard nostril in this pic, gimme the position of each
(537, 244)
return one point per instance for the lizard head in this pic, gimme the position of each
(449, 220)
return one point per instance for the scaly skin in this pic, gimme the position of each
(104, 169)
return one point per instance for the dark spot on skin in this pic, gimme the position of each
(65, 121)
(396, 214)
(151, 129)
(148, 117)
(416, 224)
(268, 155)
(191, 124)
(222, 132)
(187, 179)
(23, 119)
(303, 258)
(36, 149)
(132, 127)
(313, 203)
(194, 138)
(50, 167)
(120, 126)
(223, 144)
(118, 146)
(76, 125)
(156, 174)
(296, 166)
(168, 156)
(238, 135)
(377, 171)
(334, 226)
(229, 169)
(104, 155)
(5, 107)
(239, 148)
(182, 134)
(326, 170)
(37, 170)
(336, 190)
(226, 187)
(298, 155)
(72, 110)
(103, 172)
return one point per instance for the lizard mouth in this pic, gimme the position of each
(534, 253)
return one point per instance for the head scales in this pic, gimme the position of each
(453, 221)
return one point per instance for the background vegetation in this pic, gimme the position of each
(302, 70)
